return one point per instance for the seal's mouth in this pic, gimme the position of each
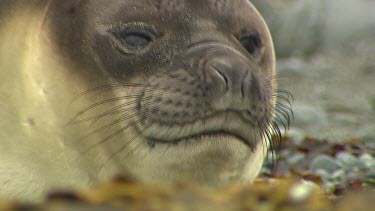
(226, 125)
(207, 134)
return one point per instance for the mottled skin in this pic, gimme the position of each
(79, 106)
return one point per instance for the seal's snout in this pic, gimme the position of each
(226, 79)
(232, 85)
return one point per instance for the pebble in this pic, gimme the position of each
(323, 162)
(349, 162)
(292, 66)
(338, 175)
(306, 115)
(353, 176)
(295, 158)
(371, 174)
(297, 136)
(323, 174)
(265, 171)
(367, 160)
(330, 186)
(372, 102)
(302, 191)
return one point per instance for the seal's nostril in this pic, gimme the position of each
(223, 76)
(244, 84)
(255, 87)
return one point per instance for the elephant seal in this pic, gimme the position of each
(162, 90)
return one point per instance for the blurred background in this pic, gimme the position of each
(326, 59)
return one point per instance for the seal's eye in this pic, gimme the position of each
(251, 42)
(135, 40)
(132, 38)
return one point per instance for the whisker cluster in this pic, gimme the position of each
(268, 129)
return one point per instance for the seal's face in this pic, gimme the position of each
(191, 82)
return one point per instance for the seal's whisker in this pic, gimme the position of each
(116, 121)
(278, 91)
(134, 137)
(279, 79)
(285, 115)
(279, 120)
(284, 109)
(162, 154)
(144, 140)
(72, 122)
(151, 143)
(112, 111)
(285, 92)
(287, 109)
(95, 119)
(129, 96)
(119, 120)
(275, 130)
(268, 135)
(101, 103)
(109, 87)
(119, 151)
(115, 110)
(130, 142)
(121, 130)
(273, 147)
(280, 98)
(136, 147)
(278, 133)
(264, 142)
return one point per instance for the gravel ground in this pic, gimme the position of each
(326, 59)
(336, 167)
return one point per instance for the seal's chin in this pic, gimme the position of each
(212, 159)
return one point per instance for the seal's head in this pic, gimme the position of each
(190, 83)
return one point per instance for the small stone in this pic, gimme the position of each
(295, 158)
(323, 162)
(366, 157)
(323, 174)
(302, 191)
(306, 115)
(367, 160)
(296, 135)
(293, 66)
(369, 141)
(349, 162)
(372, 102)
(266, 171)
(338, 175)
(285, 153)
(371, 174)
(353, 176)
(330, 187)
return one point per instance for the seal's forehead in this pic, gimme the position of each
(229, 13)
(211, 6)
(214, 5)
